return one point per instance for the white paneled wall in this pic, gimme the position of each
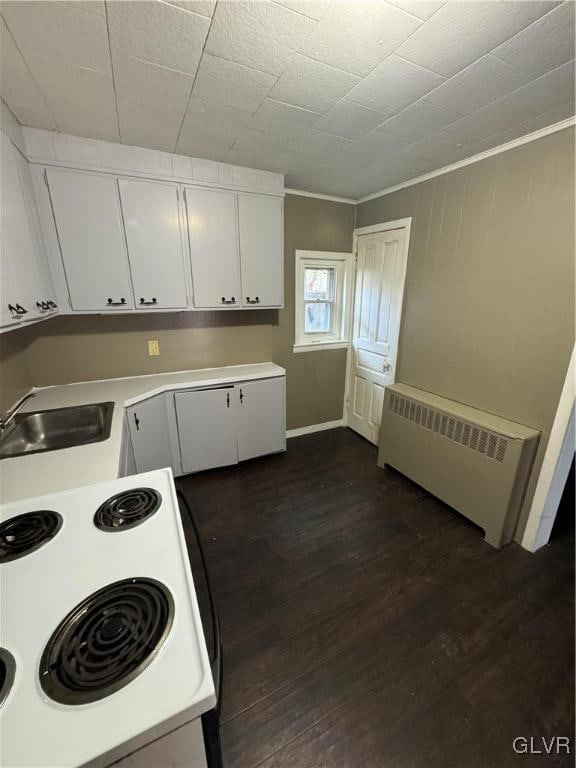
(52, 148)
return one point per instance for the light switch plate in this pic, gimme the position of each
(153, 347)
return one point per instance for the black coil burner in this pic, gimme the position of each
(106, 641)
(127, 509)
(7, 671)
(25, 533)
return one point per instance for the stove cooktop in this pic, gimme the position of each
(111, 625)
(26, 533)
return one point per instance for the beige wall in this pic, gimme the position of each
(88, 347)
(489, 306)
(315, 380)
(15, 376)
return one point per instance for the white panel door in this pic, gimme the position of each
(377, 304)
(148, 424)
(213, 233)
(152, 224)
(261, 250)
(24, 288)
(207, 428)
(91, 235)
(261, 418)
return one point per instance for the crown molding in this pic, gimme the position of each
(562, 125)
(303, 193)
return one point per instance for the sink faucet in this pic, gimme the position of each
(7, 418)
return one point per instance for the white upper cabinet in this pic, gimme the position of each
(261, 254)
(213, 235)
(89, 224)
(154, 239)
(26, 288)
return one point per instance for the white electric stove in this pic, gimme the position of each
(103, 650)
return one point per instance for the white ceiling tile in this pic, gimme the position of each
(150, 84)
(419, 119)
(314, 9)
(257, 145)
(378, 144)
(146, 126)
(356, 36)
(552, 89)
(555, 115)
(217, 119)
(158, 32)
(290, 162)
(202, 7)
(17, 87)
(482, 82)
(199, 144)
(544, 45)
(63, 31)
(284, 119)
(244, 158)
(494, 117)
(423, 9)
(320, 144)
(262, 35)
(394, 84)
(349, 120)
(461, 32)
(81, 100)
(310, 84)
(235, 85)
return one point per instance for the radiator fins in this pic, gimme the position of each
(475, 438)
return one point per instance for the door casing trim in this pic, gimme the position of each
(385, 226)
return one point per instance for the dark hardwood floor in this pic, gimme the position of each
(366, 624)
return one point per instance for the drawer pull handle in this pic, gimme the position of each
(149, 303)
(228, 301)
(255, 300)
(112, 303)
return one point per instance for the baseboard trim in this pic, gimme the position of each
(314, 428)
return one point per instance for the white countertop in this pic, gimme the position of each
(53, 471)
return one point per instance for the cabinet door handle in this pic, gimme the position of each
(13, 309)
(228, 301)
(136, 421)
(53, 304)
(112, 303)
(42, 306)
(255, 300)
(241, 396)
(20, 310)
(228, 400)
(146, 303)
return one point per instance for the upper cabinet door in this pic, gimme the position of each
(152, 224)
(212, 229)
(23, 292)
(261, 252)
(89, 225)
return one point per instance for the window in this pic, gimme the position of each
(323, 289)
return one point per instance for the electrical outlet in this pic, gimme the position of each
(153, 347)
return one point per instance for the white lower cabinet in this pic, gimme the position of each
(150, 433)
(261, 420)
(206, 428)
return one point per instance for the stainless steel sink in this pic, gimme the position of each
(38, 431)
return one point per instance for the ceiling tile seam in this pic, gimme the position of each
(31, 75)
(471, 114)
(299, 13)
(519, 31)
(194, 80)
(472, 159)
(186, 10)
(112, 70)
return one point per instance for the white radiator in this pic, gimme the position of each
(476, 462)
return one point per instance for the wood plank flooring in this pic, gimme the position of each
(367, 625)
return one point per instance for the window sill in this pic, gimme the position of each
(319, 346)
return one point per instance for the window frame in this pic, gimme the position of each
(339, 335)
